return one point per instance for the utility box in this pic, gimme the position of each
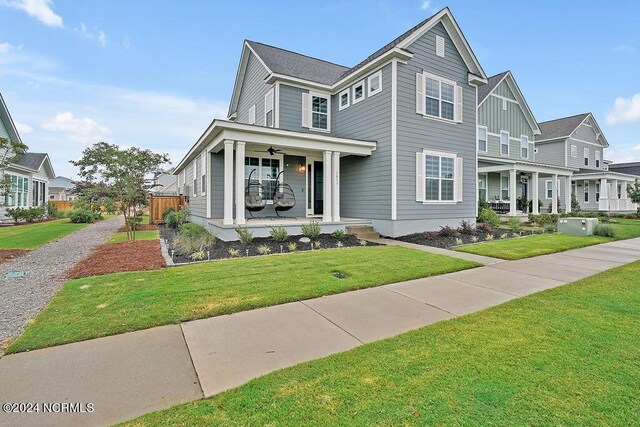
(577, 226)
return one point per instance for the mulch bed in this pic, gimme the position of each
(220, 249)
(141, 227)
(9, 254)
(119, 257)
(446, 242)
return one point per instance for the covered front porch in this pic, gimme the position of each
(512, 187)
(603, 191)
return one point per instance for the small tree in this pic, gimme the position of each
(118, 177)
(9, 153)
(634, 193)
(575, 205)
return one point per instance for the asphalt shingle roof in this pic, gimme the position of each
(31, 160)
(559, 128)
(492, 82)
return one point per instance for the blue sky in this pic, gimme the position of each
(155, 73)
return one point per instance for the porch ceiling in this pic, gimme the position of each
(505, 165)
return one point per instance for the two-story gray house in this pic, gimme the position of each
(578, 142)
(389, 142)
(508, 167)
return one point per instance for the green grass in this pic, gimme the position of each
(542, 244)
(111, 304)
(32, 236)
(567, 356)
(140, 235)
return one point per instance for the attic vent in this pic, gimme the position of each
(440, 46)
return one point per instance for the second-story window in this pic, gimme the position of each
(440, 98)
(482, 139)
(586, 157)
(375, 83)
(504, 143)
(358, 92)
(344, 99)
(252, 114)
(574, 152)
(319, 112)
(268, 109)
(524, 147)
(597, 153)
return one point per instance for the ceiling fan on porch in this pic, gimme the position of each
(273, 151)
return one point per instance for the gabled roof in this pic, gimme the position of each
(565, 127)
(507, 77)
(5, 116)
(283, 62)
(62, 182)
(34, 161)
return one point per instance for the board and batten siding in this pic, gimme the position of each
(416, 132)
(253, 91)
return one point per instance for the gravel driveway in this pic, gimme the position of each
(22, 298)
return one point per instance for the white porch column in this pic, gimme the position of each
(335, 187)
(228, 183)
(240, 150)
(567, 194)
(614, 200)
(326, 196)
(624, 197)
(512, 192)
(535, 185)
(603, 204)
(554, 194)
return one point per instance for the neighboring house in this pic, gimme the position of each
(577, 142)
(61, 189)
(508, 170)
(165, 184)
(389, 142)
(29, 174)
(631, 168)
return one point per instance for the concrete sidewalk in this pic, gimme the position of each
(130, 374)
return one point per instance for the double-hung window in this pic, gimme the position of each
(597, 191)
(597, 154)
(586, 191)
(524, 147)
(440, 98)
(504, 143)
(482, 139)
(574, 152)
(549, 188)
(195, 176)
(504, 187)
(438, 177)
(203, 174)
(574, 189)
(482, 187)
(316, 111)
(586, 157)
(268, 108)
(266, 170)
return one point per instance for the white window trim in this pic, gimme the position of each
(504, 104)
(348, 93)
(371, 77)
(574, 151)
(548, 187)
(252, 114)
(270, 93)
(203, 173)
(328, 98)
(508, 143)
(596, 194)
(194, 181)
(486, 186)
(503, 175)
(261, 156)
(586, 157)
(597, 158)
(440, 42)
(355, 100)
(486, 139)
(586, 192)
(440, 154)
(426, 75)
(524, 144)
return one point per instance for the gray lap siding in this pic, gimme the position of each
(416, 132)
(253, 91)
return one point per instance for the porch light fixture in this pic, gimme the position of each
(302, 168)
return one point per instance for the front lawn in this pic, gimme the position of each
(566, 356)
(542, 244)
(32, 236)
(105, 305)
(140, 235)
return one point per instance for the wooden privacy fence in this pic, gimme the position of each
(63, 205)
(159, 204)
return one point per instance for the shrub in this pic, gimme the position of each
(488, 237)
(34, 214)
(543, 220)
(632, 216)
(339, 234)
(53, 211)
(193, 238)
(317, 245)
(133, 222)
(264, 250)
(234, 253)
(16, 213)
(312, 230)
(488, 216)
(174, 219)
(515, 224)
(474, 239)
(550, 228)
(430, 235)
(504, 235)
(279, 234)
(575, 205)
(83, 216)
(483, 204)
(244, 234)
(459, 241)
(167, 212)
(604, 230)
(292, 247)
(198, 256)
(447, 231)
(484, 227)
(465, 227)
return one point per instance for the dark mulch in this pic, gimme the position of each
(141, 227)
(13, 224)
(220, 249)
(445, 242)
(119, 257)
(9, 254)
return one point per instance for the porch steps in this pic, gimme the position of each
(363, 232)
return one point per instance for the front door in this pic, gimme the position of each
(525, 195)
(315, 187)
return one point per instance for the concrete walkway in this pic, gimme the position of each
(131, 374)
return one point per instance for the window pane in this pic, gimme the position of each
(447, 167)
(432, 88)
(482, 194)
(447, 110)
(482, 146)
(319, 121)
(433, 107)
(375, 83)
(447, 92)
(447, 189)
(482, 134)
(482, 183)
(432, 189)
(343, 99)
(432, 167)
(359, 91)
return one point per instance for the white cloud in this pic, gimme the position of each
(92, 33)
(39, 9)
(426, 5)
(23, 129)
(82, 130)
(625, 111)
(624, 48)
